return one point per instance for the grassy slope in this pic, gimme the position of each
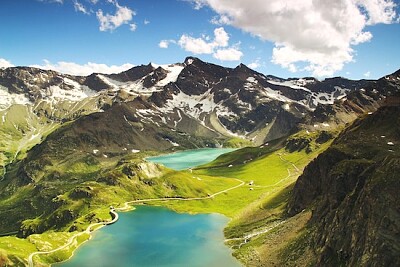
(114, 188)
(252, 205)
(270, 168)
(259, 206)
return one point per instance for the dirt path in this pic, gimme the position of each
(247, 237)
(72, 239)
(126, 204)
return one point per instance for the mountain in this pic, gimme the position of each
(63, 135)
(193, 97)
(352, 190)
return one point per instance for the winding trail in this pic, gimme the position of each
(289, 162)
(247, 237)
(72, 239)
(126, 204)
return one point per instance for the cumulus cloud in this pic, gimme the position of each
(255, 64)
(228, 54)
(367, 74)
(217, 46)
(378, 11)
(5, 63)
(317, 33)
(83, 70)
(196, 45)
(108, 22)
(221, 37)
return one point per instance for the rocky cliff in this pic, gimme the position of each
(352, 190)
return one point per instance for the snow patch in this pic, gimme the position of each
(78, 93)
(294, 84)
(251, 80)
(286, 106)
(172, 76)
(8, 99)
(110, 82)
(172, 143)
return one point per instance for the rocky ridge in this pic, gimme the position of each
(352, 190)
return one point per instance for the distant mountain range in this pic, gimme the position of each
(192, 97)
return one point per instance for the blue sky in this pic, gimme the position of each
(355, 39)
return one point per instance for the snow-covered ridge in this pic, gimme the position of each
(172, 75)
(77, 93)
(295, 84)
(7, 99)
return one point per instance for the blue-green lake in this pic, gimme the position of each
(189, 158)
(156, 236)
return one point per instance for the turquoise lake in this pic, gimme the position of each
(189, 158)
(156, 236)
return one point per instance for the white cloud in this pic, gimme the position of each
(132, 27)
(228, 54)
(53, 1)
(109, 22)
(378, 11)
(255, 64)
(80, 8)
(197, 4)
(163, 44)
(221, 37)
(146, 22)
(5, 63)
(221, 20)
(367, 74)
(83, 70)
(317, 33)
(195, 45)
(204, 45)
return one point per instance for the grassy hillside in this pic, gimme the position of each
(269, 172)
(78, 191)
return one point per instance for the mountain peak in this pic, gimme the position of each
(190, 60)
(243, 68)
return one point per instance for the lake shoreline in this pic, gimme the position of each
(140, 208)
(128, 207)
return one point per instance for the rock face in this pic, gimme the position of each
(352, 189)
